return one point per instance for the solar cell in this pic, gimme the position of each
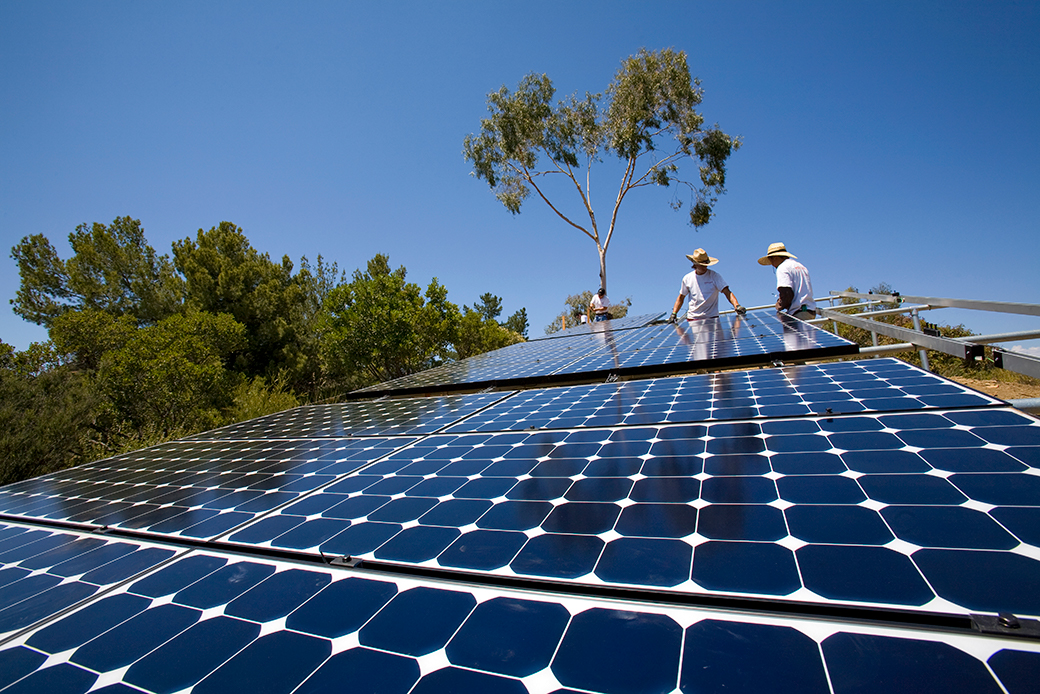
(624, 323)
(215, 622)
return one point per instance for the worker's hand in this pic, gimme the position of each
(740, 310)
(671, 318)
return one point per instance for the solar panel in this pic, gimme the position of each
(358, 418)
(193, 489)
(601, 349)
(624, 323)
(836, 388)
(214, 622)
(46, 571)
(817, 527)
(875, 508)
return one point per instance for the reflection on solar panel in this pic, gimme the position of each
(615, 324)
(359, 418)
(821, 527)
(600, 350)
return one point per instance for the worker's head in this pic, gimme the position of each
(775, 255)
(701, 260)
(602, 291)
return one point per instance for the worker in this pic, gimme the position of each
(599, 306)
(792, 283)
(703, 286)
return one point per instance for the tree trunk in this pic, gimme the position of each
(602, 267)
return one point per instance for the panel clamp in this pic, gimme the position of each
(1006, 624)
(344, 560)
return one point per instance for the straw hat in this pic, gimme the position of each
(699, 257)
(776, 250)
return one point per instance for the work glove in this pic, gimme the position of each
(740, 310)
(671, 318)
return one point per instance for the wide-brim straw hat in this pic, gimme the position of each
(700, 257)
(776, 250)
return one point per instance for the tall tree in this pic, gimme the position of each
(113, 269)
(490, 308)
(648, 121)
(383, 327)
(517, 323)
(225, 274)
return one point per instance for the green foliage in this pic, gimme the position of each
(173, 376)
(256, 398)
(47, 415)
(489, 307)
(224, 274)
(84, 337)
(487, 311)
(477, 334)
(383, 327)
(139, 354)
(517, 323)
(113, 269)
(648, 120)
(578, 306)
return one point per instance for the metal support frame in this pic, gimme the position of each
(957, 348)
(1019, 363)
(923, 353)
(998, 306)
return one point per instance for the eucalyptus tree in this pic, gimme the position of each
(648, 120)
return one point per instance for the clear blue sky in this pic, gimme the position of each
(884, 141)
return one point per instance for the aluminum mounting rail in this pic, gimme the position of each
(1017, 362)
(957, 348)
(998, 306)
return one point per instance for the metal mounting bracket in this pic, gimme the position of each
(1006, 624)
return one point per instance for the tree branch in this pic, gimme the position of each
(529, 177)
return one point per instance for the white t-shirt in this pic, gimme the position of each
(703, 291)
(793, 274)
(599, 304)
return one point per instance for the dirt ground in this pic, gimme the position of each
(998, 389)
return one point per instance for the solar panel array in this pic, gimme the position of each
(822, 527)
(643, 348)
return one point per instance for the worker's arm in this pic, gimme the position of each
(786, 297)
(675, 308)
(733, 300)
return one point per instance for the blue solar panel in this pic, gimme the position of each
(214, 622)
(768, 529)
(196, 489)
(836, 388)
(360, 418)
(729, 341)
(869, 508)
(625, 323)
(46, 571)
